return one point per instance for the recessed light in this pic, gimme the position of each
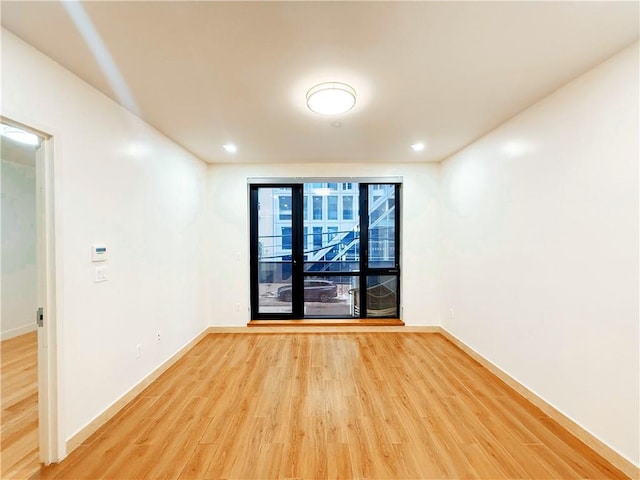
(417, 147)
(515, 148)
(137, 149)
(331, 98)
(19, 135)
(230, 148)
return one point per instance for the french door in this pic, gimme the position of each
(325, 250)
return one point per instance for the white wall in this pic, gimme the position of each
(19, 272)
(228, 281)
(120, 182)
(540, 237)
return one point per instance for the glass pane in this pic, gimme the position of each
(274, 250)
(284, 203)
(332, 207)
(332, 243)
(382, 296)
(347, 207)
(332, 250)
(382, 230)
(331, 296)
(317, 208)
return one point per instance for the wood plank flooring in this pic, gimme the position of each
(330, 406)
(19, 421)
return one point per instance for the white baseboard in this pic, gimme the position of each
(586, 437)
(16, 332)
(74, 441)
(572, 427)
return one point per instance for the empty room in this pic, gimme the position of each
(320, 240)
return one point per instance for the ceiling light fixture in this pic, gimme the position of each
(331, 98)
(417, 147)
(19, 135)
(230, 148)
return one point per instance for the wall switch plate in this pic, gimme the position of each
(138, 350)
(158, 336)
(101, 274)
(452, 313)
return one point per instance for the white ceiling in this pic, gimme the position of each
(444, 73)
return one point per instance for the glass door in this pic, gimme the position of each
(275, 252)
(381, 235)
(325, 250)
(331, 244)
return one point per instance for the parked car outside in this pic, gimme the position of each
(314, 291)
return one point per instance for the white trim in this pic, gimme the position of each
(297, 180)
(107, 414)
(47, 344)
(582, 434)
(52, 447)
(16, 332)
(591, 441)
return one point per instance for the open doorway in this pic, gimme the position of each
(26, 291)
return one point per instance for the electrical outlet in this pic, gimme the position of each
(138, 350)
(237, 307)
(158, 337)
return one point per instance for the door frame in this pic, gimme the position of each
(51, 450)
(298, 274)
(365, 269)
(296, 257)
(51, 446)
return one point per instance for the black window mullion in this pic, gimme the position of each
(297, 251)
(397, 247)
(253, 235)
(364, 246)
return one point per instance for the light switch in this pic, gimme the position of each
(101, 274)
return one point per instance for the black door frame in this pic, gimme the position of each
(297, 288)
(365, 270)
(297, 250)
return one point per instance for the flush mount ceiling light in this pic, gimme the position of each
(331, 98)
(19, 135)
(417, 147)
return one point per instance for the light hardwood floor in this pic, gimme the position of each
(19, 422)
(339, 406)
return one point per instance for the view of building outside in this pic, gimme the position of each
(331, 243)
